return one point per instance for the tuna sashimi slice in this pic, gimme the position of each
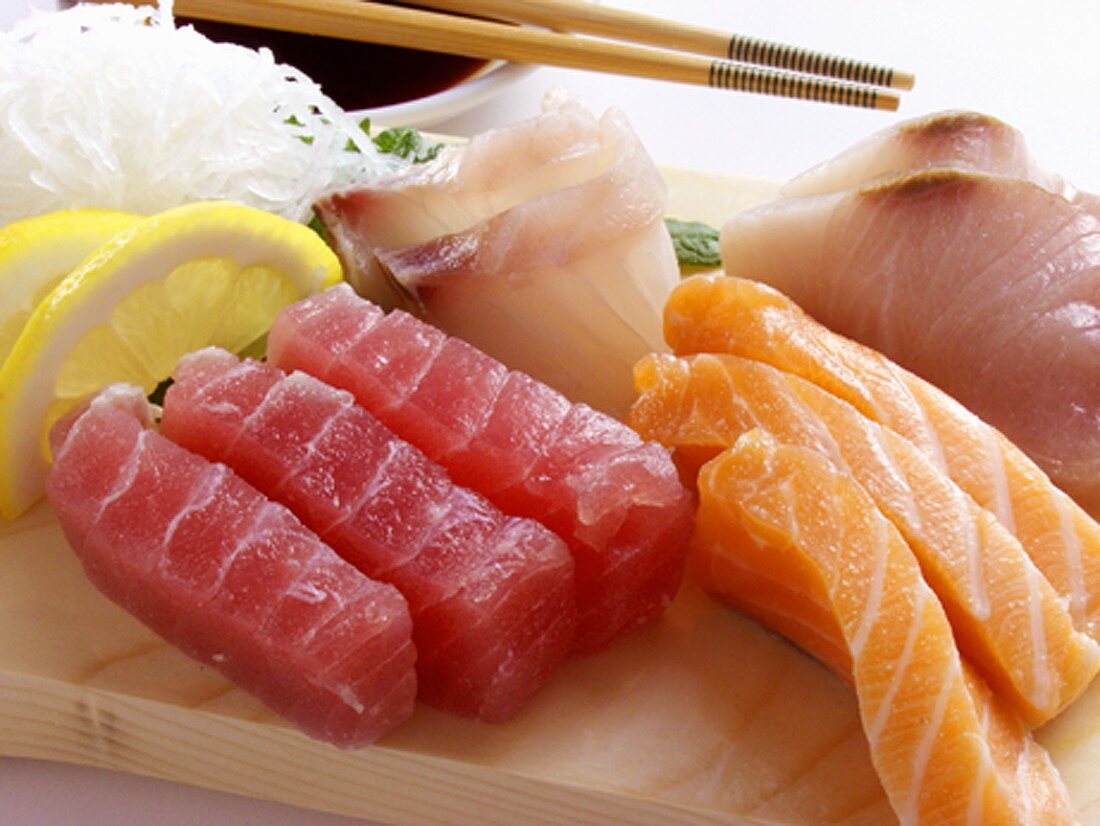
(988, 287)
(492, 597)
(615, 500)
(732, 315)
(1009, 621)
(232, 579)
(945, 747)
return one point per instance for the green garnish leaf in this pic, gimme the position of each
(403, 142)
(406, 143)
(316, 225)
(696, 243)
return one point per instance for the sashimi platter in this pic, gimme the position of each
(516, 480)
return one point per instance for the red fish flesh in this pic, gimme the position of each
(492, 597)
(614, 499)
(231, 578)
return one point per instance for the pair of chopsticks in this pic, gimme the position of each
(794, 73)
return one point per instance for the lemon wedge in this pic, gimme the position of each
(207, 273)
(36, 253)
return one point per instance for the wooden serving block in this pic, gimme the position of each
(703, 718)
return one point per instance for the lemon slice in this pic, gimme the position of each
(201, 274)
(36, 253)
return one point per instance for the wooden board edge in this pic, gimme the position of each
(50, 720)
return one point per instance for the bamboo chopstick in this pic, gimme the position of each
(393, 25)
(398, 26)
(582, 17)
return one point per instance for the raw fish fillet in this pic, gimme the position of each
(492, 597)
(967, 140)
(484, 242)
(463, 186)
(946, 748)
(732, 315)
(987, 287)
(232, 579)
(615, 500)
(567, 287)
(1009, 621)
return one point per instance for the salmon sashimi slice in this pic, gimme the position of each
(615, 500)
(970, 140)
(1009, 621)
(229, 577)
(988, 287)
(463, 186)
(947, 750)
(492, 597)
(742, 317)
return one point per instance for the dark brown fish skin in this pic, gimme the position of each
(953, 139)
(939, 182)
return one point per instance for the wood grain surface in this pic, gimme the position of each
(703, 718)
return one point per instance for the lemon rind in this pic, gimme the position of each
(147, 251)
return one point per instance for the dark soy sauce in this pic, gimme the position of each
(355, 75)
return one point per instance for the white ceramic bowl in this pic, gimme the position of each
(490, 81)
(493, 79)
(425, 111)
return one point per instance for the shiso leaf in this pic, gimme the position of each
(317, 226)
(696, 243)
(406, 143)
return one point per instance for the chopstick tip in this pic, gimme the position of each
(887, 101)
(903, 80)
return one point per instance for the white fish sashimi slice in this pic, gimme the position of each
(988, 287)
(963, 139)
(574, 303)
(464, 185)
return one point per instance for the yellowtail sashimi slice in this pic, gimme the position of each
(746, 318)
(983, 285)
(945, 747)
(968, 140)
(1008, 619)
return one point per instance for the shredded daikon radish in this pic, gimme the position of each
(113, 106)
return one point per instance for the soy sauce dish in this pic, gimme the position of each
(406, 87)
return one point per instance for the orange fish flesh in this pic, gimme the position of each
(945, 747)
(1008, 620)
(733, 315)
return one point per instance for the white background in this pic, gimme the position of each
(1035, 65)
